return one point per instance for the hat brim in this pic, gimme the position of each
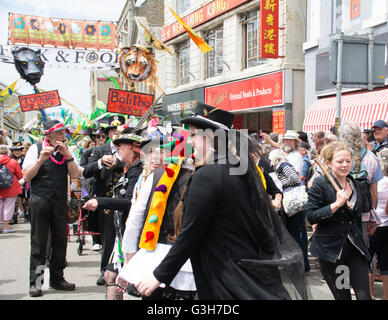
(204, 123)
(16, 148)
(126, 140)
(60, 129)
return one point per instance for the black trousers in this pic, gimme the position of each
(108, 236)
(358, 274)
(45, 214)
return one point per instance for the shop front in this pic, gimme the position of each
(363, 107)
(181, 105)
(259, 103)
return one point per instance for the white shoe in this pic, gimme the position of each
(96, 247)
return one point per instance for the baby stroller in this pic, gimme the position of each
(81, 216)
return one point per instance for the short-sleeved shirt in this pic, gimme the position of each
(378, 147)
(32, 156)
(375, 174)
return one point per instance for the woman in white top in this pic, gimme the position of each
(378, 241)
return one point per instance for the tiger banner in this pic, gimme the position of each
(269, 29)
(67, 33)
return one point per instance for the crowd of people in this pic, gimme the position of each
(205, 211)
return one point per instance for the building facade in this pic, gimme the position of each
(13, 123)
(354, 19)
(265, 94)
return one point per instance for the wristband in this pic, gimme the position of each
(70, 160)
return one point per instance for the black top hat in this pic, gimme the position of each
(129, 138)
(51, 126)
(115, 121)
(16, 146)
(208, 117)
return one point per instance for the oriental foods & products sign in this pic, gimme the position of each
(263, 91)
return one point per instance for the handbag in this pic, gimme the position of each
(294, 200)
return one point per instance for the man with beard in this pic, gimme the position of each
(290, 145)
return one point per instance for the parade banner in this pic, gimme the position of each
(269, 29)
(70, 59)
(127, 102)
(40, 101)
(200, 16)
(68, 33)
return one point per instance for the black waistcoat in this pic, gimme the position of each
(51, 180)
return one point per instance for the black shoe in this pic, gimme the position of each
(63, 286)
(101, 281)
(35, 292)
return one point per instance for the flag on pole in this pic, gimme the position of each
(7, 92)
(194, 36)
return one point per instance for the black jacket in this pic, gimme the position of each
(104, 177)
(122, 199)
(333, 229)
(219, 230)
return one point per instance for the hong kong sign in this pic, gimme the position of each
(269, 29)
(200, 16)
(127, 102)
(40, 101)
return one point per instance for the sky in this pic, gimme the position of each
(73, 85)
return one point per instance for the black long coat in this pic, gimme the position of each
(103, 177)
(219, 229)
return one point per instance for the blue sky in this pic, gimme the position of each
(72, 85)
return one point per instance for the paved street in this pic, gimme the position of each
(83, 271)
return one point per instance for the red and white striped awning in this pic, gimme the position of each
(364, 108)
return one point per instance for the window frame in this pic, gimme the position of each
(186, 6)
(246, 20)
(215, 32)
(179, 49)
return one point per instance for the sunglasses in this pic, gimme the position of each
(98, 136)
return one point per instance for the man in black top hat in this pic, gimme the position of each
(47, 165)
(234, 239)
(105, 166)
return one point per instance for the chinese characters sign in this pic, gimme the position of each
(269, 29)
(278, 121)
(24, 29)
(127, 102)
(40, 101)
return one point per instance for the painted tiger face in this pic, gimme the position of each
(136, 63)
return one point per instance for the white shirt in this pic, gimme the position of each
(382, 190)
(296, 159)
(135, 222)
(115, 152)
(32, 156)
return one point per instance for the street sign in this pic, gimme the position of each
(355, 64)
(127, 102)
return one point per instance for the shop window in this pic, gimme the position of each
(183, 63)
(214, 58)
(183, 5)
(251, 29)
